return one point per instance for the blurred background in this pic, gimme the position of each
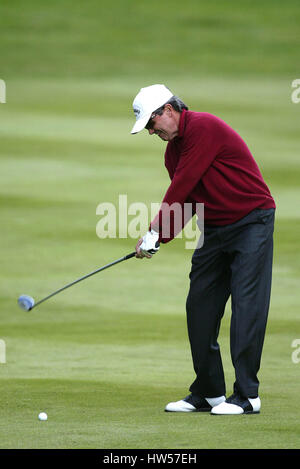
(103, 358)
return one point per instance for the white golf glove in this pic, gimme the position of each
(150, 244)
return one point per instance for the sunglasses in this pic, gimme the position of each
(150, 122)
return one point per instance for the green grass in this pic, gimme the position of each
(103, 358)
(104, 39)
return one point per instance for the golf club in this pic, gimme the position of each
(27, 302)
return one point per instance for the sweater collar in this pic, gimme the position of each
(182, 123)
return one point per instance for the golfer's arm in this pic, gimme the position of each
(194, 162)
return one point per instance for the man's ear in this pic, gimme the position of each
(169, 109)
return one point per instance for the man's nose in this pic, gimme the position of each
(151, 131)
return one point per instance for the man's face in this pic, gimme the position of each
(166, 125)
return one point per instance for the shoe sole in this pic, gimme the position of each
(187, 412)
(244, 413)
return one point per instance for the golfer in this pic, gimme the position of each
(209, 163)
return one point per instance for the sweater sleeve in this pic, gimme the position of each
(197, 154)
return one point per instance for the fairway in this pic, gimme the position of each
(104, 357)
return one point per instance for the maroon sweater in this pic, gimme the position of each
(208, 162)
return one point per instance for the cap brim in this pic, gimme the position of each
(140, 124)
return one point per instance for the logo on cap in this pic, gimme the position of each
(136, 111)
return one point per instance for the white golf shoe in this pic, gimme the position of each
(193, 403)
(236, 405)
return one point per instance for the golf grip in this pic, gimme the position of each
(128, 256)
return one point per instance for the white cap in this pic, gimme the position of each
(146, 101)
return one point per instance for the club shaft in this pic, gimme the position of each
(128, 256)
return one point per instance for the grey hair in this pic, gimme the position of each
(176, 104)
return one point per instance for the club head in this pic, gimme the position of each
(26, 302)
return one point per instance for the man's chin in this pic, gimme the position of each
(164, 137)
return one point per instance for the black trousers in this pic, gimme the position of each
(235, 260)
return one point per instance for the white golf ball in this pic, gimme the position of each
(43, 416)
